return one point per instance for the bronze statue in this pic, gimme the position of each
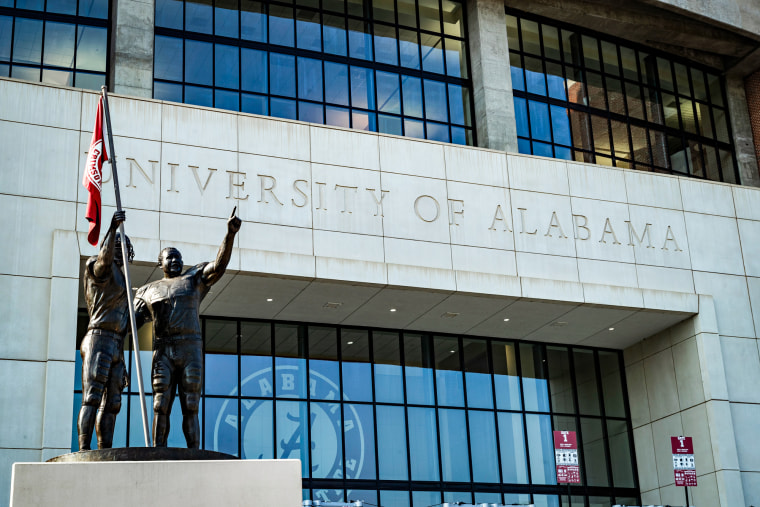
(173, 303)
(103, 369)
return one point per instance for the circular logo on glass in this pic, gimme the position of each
(260, 418)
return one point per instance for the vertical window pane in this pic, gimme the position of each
(253, 20)
(561, 125)
(423, 445)
(540, 124)
(326, 445)
(292, 433)
(324, 378)
(334, 35)
(389, 124)
(534, 384)
(535, 79)
(59, 45)
(359, 39)
(282, 108)
(386, 50)
(456, 58)
(612, 386)
(620, 454)
(590, 53)
(407, 13)
(455, 463)
(593, 452)
(560, 382)
(199, 96)
(256, 359)
(435, 100)
(388, 92)
(437, 132)
(505, 376)
(254, 69)
(220, 435)
(586, 382)
(97, 9)
(62, 6)
(6, 29)
(516, 71)
(359, 433)
(310, 79)
(362, 88)
(413, 128)
(477, 376)
(541, 448)
(198, 16)
(419, 369)
(257, 439)
(409, 49)
(226, 66)
(168, 58)
(290, 362)
(521, 117)
(411, 88)
(382, 10)
(459, 105)
(453, 24)
(430, 17)
(254, 104)
(27, 41)
(282, 71)
(308, 30)
(281, 29)
(531, 40)
(555, 81)
(514, 465)
(391, 432)
(355, 365)
(91, 48)
(432, 53)
(448, 373)
(336, 83)
(221, 364)
(389, 385)
(226, 18)
(485, 459)
(198, 60)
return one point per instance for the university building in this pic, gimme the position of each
(466, 224)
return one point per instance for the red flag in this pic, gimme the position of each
(93, 176)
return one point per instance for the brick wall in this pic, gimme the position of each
(752, 88)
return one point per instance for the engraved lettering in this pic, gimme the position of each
(639, 239)
(346, 206)
(321, 195)
(417, 211)
(456, 207)
(236, 186)
(669, 236)
(133, 163)
(609, 230)
(172, 177)
(579, 226)
(498, 216)
(201, 188)
(267, 185)
(378, 202)
(304, 195)
(554, 222)
(522, 222)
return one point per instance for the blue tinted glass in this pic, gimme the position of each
(309, 30)
(561, 125)
(253, 21)
(324, 376)
(292, 433)
(457, 105)
(485, 456)
(455, 463)
(535, 82)
(409, 49)
(479, 393)
(395, 498)
(456, 65)
(437, 131)
(363, 121)
(282, 108)
(391, 431)
(541, 447)
(59, 45)
(255, 104)
(198, 60)
(226, 66)
(542, 149)
(357, 381)
(198, 16)
(6, 29)
(146, 357)
(91, 48)
(518, 81)
(563, 153)
(334, 35)
(281, 29)
(534, 384)
(540, 125)
(556, 87)
(359, 40)
(449, 387)
(326, 449)
(388, 92)
(359, 435)
(199, 96)
(78, 371)
(423, 445)
(432, 53)
(385, 45)
(221, 418)
(168, 58)
(62, 6)
(338, 116)
(254, 70)
(221, 374)
(458, 135)
(290, 372)
(419, 385)
(514, 466)
(96, 8)
(34, 5)
(282, 73)
(226, 18)
(425, 498)
(389, 124)
(224, 99)
(255, 371)
(167, 91)
(362, 88)
(169, 13)
(27, 41)
(309, 79)
(414, 128)
(411, 88)
(89, 81)
(435, 101)
(551, 501)
(75, 410)
(523, 146)
(257, 433)
(388, 383)
(136, 438)
(336, 83)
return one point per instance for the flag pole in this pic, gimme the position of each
(125, 255)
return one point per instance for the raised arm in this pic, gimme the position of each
(214, 270)
(102, 266)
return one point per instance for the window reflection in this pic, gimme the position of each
(418, 369)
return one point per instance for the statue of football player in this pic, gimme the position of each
(103, 369)
(173, 303)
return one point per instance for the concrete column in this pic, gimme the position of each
(491, 79)
(132, 48)
(741, 127)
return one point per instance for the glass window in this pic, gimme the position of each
(292, 427)
(418, 369)
(324, 376)
(423, 444)
(290, 361)
(593, 452)
(198, 16)
(483, 446)
(391, 431)
(514, 465)
(448, 372)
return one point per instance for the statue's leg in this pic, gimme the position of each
(95, 367)
(190, 393)
(111, 404)
(163, 395)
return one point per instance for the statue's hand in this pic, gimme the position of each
(118, 218)
(233, 223)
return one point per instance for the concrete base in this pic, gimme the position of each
(164, 483)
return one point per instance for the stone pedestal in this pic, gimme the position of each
(160, 483)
